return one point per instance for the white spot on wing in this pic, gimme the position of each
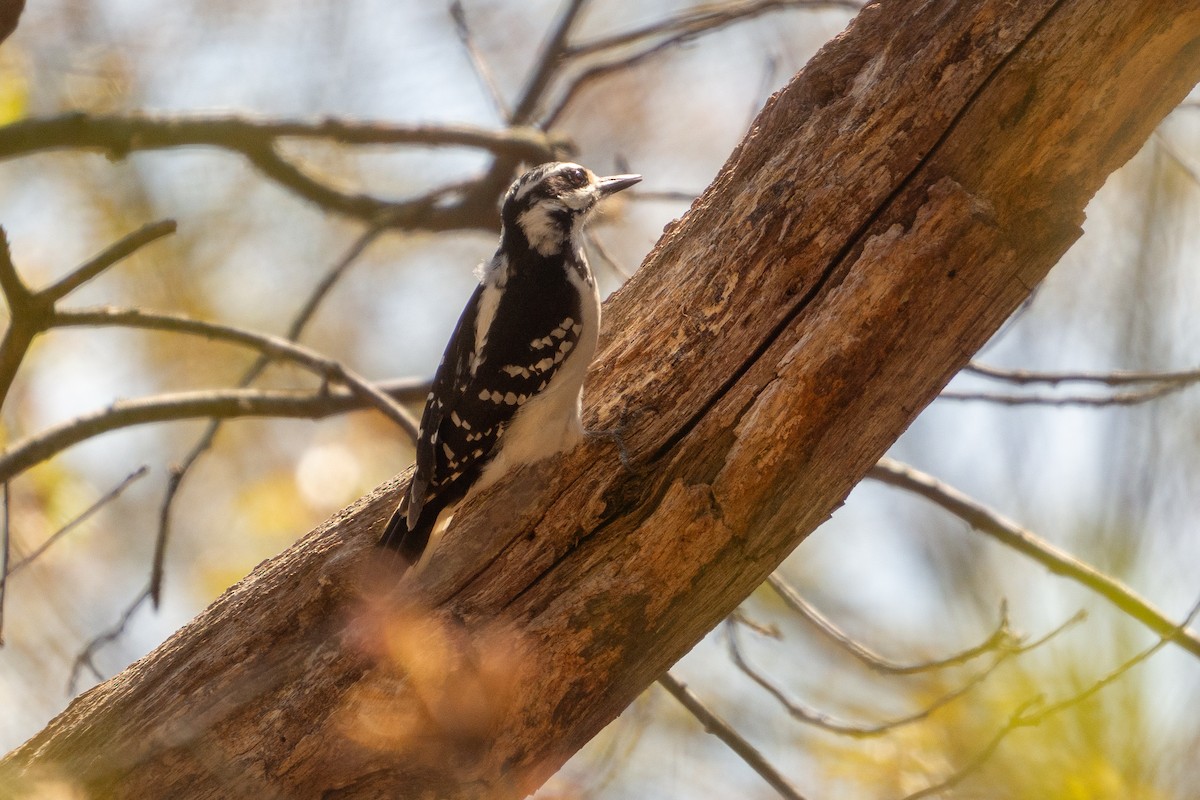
(495, 275)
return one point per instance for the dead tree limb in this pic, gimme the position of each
(884, 215)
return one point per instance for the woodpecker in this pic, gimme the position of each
(509, 388)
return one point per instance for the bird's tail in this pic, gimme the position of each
(410, 543)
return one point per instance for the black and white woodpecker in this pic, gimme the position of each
(509, 389)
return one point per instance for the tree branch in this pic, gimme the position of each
(826, 723)
(82, 517)
(259, 140)
(32, 313)
(999, 639)
(1094, 401)
(1024, 377)
(217, 403)
(1034, 711)
(180, 472)
(726, 733)
(987, 521)
(119, 135)
(669, 33)
(273, 346)
(113, 254)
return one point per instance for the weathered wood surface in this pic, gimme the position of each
(887, 212)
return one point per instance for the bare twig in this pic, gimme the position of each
(1117, 399)
(459, 15)
(725, 732)
(423, 212)
(10, 282)
(259, 142)
(27, 318)
(827, 723)
(980, 758)
(114, 253)
(120, 134)
(554, 51)
(1033, 711)
(989, 522)
(999, 639)
(1118, 378)
(703, 19)
(111, 495)
(661, 36)
(595, 244)
(32, 313)
(273, 346)
(664, 196)
(86, 659)
(598, 71)
(180, 472)
(766, 629)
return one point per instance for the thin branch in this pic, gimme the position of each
(725, 732)
(480, 202)
(1117, 399)
(117, 135)
(827, 723)
(999, 639)
(114, 253)
(764, 629)
(111, 495)
(1117, 378)
(417, 213)
(10, 282)
(32, 313)
(86, 659)
(324, 286)
(991, 523)
(599, 71)
(27, 318)
(273, 346)
(553, 53)
(980, 758)
(259, 141)
(459, 14)
(669, 33)
(664, 195)
(1025, 717)
(1114, 675)
(702, 20)
(180, 472)
(219, 403)
(595, 244)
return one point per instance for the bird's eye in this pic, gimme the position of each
(577, 176)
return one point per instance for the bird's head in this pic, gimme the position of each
(547, 205)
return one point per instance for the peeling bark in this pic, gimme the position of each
(885, 214)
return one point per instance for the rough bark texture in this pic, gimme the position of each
(887, 212)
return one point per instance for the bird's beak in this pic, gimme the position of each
(615, 183)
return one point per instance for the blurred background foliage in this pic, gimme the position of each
(1112, 483)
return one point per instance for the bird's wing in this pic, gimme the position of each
(475, 394)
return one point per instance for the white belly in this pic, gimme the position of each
(550, 422)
